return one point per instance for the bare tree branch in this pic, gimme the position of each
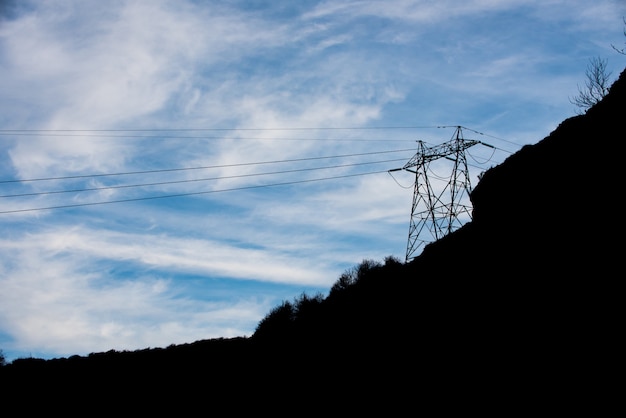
(623, 50)
(596, 86)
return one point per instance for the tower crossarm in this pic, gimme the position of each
(427, 154)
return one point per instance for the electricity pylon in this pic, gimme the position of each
(435, 211)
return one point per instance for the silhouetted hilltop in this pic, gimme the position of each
(516, 310)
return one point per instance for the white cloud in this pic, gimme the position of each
(88, 247)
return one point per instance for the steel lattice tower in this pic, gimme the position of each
(436, 212)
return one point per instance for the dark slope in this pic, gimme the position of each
(556, 199)
(516, 310)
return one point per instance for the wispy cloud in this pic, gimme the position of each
(412, 10)
(148, 251)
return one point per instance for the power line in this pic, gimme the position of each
(203, 167)
(47, 132)
(203, 137)
(484, 162)
(190, 193)
(494, 137)
(90, 133)
(3, 131)
(198, 180)
(55, 132)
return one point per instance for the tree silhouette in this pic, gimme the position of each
(596, 86)
(352, 275)
(278, 321)
(305, 305)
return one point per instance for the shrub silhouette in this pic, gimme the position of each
(283, 319)
(305, 305)
(353, 275)
(277, 322)
(309, 315)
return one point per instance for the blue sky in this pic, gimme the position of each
(207, 160)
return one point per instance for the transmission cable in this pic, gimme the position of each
(201, 168)
(412, 185)
(11, 131)
(484, 162)
(197, 180)
(190, 193)
(494, 137)
(167, 137)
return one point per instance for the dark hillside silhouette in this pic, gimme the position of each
(515, 312)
